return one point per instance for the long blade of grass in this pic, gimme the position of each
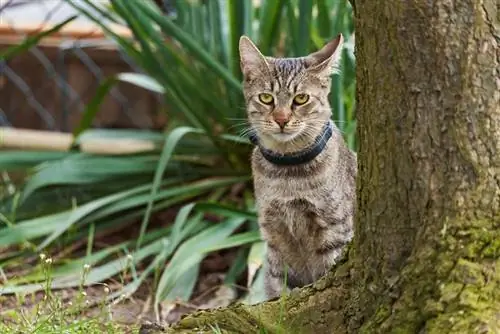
(235, 241)
(293, 27)
(144, 32)
(225, 211)
(143, 81)
(79, 169)
(32, 228)
(93, 107)
(257, 293)
(304, 27)
(170, 144)
(131, 50)
(85, 210)
(236, 15)
(323, 19)
(131, 288)
(17, 160)
(31, 41)
(95, 275)
(270, 17)
(190, 253)
(184, 286)
(190, 44)
(237, 268)
(218, 44)
(255, 259)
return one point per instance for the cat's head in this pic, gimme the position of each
(287, 98)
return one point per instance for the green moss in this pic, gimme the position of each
(432, 308)
(450, 292)
(472, 292)
(492, 250)
(468, 272)
(382, 313)
(444, 265)
(458, 293)
(464, 322)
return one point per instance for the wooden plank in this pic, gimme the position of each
(36, 140)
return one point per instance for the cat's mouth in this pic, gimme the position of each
(283, 136)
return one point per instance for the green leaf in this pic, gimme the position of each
(190, 254)
(16, 160)
(168, 149)
(323, 21)
(235, 241)
(95, 275)
(189, 43)
(237, 268)
(184, 286)
(131, 288)
(255, 260)
(270, 17)
(102, 91)
(226, 211)
(32, 228)
(143, 81)
(93, 107)
(304, 28)
(293, 34)
(31, 41)
(86, 169)
(256, 292)
(85, 210)
(236, 16)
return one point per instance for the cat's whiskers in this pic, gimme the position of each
(239, 125)
(251, 127)
(245, 132)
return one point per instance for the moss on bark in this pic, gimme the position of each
(450, 288)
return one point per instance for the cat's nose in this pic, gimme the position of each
(282, 122)
(281, 118)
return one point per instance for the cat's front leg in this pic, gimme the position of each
(274, 278)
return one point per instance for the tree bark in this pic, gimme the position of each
(426, 252)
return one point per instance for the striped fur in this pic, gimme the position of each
(305, 211)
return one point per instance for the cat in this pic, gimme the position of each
(303, 172)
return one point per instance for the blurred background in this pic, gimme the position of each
(48, 86)
(135, 172)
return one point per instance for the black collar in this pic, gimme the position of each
(300, 157)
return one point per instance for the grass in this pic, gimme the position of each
(48, 319)
(72, 203)
(47, 312)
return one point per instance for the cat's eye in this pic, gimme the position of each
(266, 98)
(300, 99)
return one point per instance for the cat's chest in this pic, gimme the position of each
(292, 201)
(299, 217)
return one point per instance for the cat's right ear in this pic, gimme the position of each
(326, 61)
(252, 61)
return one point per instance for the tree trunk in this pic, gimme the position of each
(426, 252)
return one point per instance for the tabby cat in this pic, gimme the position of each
(304, 174)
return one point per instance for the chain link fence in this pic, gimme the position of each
(48, 87)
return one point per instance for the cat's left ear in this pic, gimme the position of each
(326, 61)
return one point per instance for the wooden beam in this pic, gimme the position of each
(37, 140)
